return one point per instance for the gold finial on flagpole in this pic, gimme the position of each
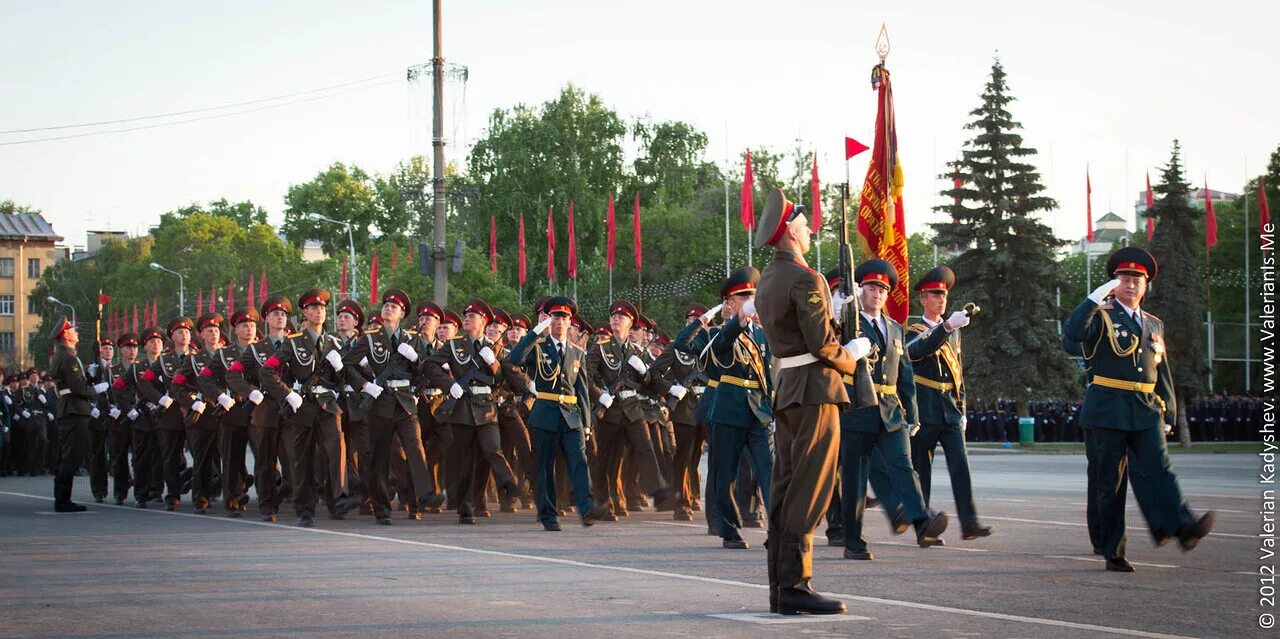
(882, 43)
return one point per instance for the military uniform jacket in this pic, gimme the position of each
(1118, 353)
(374, 354)
(216, 378)
(101, 372)
(515, 386)
(430, 398)
(198, 369)
(295, 365)
(124, 393)
(32, 407)
(608, 371)
(795, 311)
(658, 388)
(169, 373)
(243, 377)
(694, 340)
(552, 374)
(686, 370)
(896, 409)
(75, 394)
(349, 398)
(479, 380)
(939, 374)
(742, 396)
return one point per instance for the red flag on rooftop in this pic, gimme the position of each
(748, 212)
(611, 224)
(1151, 205)
(853, 147)
(881, 217)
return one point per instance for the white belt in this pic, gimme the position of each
(315, 390)
(626, 394)
(431, 392)
(644, 397)
(480, 390)
(397, 383)
(803, 359)
(64, 391)
(698, 390)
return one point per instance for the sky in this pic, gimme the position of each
(1102, 85)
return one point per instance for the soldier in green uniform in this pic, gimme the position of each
(689, 383)
(232, 396)
(204, 416)
(123, 401)
(355, 430)
(75, 405)
(559, 417)
(98, 371)
(795, 312)
(173, 393)
(1128, 407)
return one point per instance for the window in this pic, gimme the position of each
(6, 267)
(6, 305)
(6, 340)
(32, 309)
(33, 267)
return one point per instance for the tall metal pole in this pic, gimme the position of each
(1247, 385)
(726, 226)
(441, 276)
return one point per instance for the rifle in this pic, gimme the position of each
(393, 361)
(285, 409)
(864, 392)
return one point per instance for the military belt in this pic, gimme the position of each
(881, 389)
(793, 361)
(570, 400)
(944, 387)
(1120, 384)
(627, 394)
(713, 383)
(64, 391)
(397, 383)
(698, 390)
(738, 381)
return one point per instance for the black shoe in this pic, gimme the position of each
(1119, 564)
(99, 500)
(341, 507)
(243, 499)
(414, 515)
(119, 501)
(597, 513)
(663, 497)
(466, 520)
(872, 502)
(384, 520)
(482, 512)
(682, 515)
(68, 507)
(551, 526)
(804, 601)
(306, 521)
(1097, 551)
(974, 532)
(753, 523)
(864, 555)
(1189, 536)
(171, 507)
(269, 518)
(712, 531)
(735, 544)
(835, 541)
(929, 542)
(933, 526)
(430, 500)
(141, 503)
(899, 523)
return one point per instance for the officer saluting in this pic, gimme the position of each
(795, 312)
(75, 407)
(1126, 406)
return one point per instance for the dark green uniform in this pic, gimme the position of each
(75, 404)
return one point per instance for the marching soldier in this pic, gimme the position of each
(473, 374)
(166, 374)
(304, 374)
(436, 436)
(123, 401)
(98, 371)
(232, 395)
(516, 446)
(383, 365)
(1128, 406)
(41, 434)
(795, 313)
(689, 383)
(75, 407)
(355, 430)
(266, 429)
(202, 419)
(559, 418)
(934, 348)
(148, 469)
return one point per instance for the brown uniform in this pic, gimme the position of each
(795, 313)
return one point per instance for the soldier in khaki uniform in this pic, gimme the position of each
(794, 309)
(232, 396)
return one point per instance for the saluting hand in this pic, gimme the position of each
(1101, 292)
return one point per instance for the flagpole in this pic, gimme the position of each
(817, 237)
(1247, 377)
(726, 201)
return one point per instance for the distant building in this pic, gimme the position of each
(1195, 198)
(26, 250)
(1107, 230)
(312, 252)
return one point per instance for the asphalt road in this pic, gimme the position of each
(123, 572)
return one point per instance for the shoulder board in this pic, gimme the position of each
(294, 335)
(410, 332)
(371, 331)
(918, 328)
(604, 339)
(1146, 315)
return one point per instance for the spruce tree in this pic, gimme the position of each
(1005, 259)
(1178, 294)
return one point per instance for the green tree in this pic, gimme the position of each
(342, 193)
(9, 207)
(242, 213)
(1006, 262)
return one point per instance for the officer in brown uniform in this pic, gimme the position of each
(231, 395)
(75, 404)
(795, 312)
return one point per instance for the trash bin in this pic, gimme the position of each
(1026, 431)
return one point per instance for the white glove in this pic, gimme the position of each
(915, 428)
(49, 415)
(198, 407)
(42, 399)
(1168, 429)
(364, 361)
(17, 417)
(95, 413)
(455, 391)
(93, 369)
(26, 413)
(533, 386)
(225, 401)
(964, 423)
(858, 347)
(677, 391)
(837, 305)
(748, 307)
(335, 360)
(294, 400)
(606, 399)
(487, 355)
(114, 413)
(371, 389)
(165, 402)
(1102, 291)
(101, 387)
(8, 401)
(958, 319)
(256, 396)
(132, 414)
(445, 367)
(542, 326)
(710, 314)
(407, 351)
(635, 363)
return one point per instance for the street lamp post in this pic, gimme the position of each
(182, 287)
(351, 247)
(62, 303)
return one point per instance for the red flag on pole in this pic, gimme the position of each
(611, 223)
(493, 244)
(881, 216)
(1151, 205)
(213, 299)
(1264, 209)
(551, 245)
(199, 301)
(523, 274)
(853, 147)
(573, 247)
(155, 312)
(250, 300)
(815, 189)
(262, 289)
(748, 212)
(135, 318)
(395, 255)
(1210, 220)
(231, 299)
(342, 284)
(635, 226)
(411, 254)
(1088, 203)
(373, 280)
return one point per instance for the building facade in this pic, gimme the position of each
(27, 248)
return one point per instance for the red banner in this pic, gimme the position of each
(342, 284)
(523, 273)
(815, 190)
(551, 245)
(1151, 205)
(135, 319)
(493, 244)
(373, 280)
(573, 247)
(635, 231)
(748, 212)
(611, 225)
(231, 300)
(1088, 203)
(1210, 220)
(262, 289)
(852, 147)
(1264, 209)
(882, 227)
(199, 301)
